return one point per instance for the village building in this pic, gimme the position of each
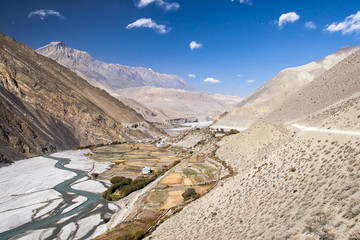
(146, 170)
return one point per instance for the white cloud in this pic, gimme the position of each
(148, 23)
(165, 5)
(43, 13)
(195, 45)
(287, 17)
(244, 1)
(144, 3)
(250, 81)
(211, 80)
(239, 75)
(350, 25)
(310, 25)
(191, 75)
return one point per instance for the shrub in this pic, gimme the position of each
(116, 143)
(124, 186)
(83, 147)
(120, 179)
(232, 131)
(189, 172)
(108, 194)
(319, 226)
(189, 193)
(355, 235)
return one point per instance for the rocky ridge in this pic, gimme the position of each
(47, 107)
(114, 76)
(338, 85)
(278, 89)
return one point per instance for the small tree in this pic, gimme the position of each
(120, 179)
(189, 193)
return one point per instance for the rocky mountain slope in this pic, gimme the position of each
(292, 182)
(47, 107)
(114, 76)
(177, 103)
(151, 115)
(334, 87)
(279, 88)
(307, 188)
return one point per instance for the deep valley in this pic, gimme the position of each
(95, 144)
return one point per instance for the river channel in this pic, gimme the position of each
(93, 205)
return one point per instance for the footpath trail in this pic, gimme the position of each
(334, 131)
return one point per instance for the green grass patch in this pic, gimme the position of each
(190, 172)
(203, 166)
(209, 172)
(210, 175)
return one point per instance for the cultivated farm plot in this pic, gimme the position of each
(129, 159)
(193, 177)
(174, 198)
(173, 179)
(194, 172)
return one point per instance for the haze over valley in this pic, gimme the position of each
(180, 120)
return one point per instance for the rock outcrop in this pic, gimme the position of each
(47, 107)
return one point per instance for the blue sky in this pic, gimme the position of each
(237, 45)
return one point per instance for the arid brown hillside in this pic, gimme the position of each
(336, 85)
(46, 107)
(307, 188)
(294, 181)
(279, 89)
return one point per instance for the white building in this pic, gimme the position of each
(146, 170)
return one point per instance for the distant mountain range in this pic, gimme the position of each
(157, 97)
(178, 103)
(151, 115)
(46, 107)
(114, 76)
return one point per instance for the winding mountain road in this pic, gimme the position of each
(334, 131)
